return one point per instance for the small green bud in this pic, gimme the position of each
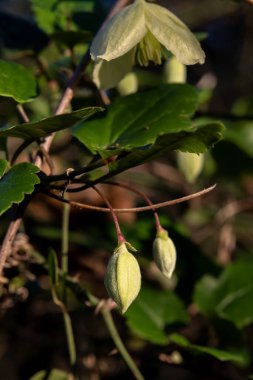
(123, 278)
(128, 85)
(190, 164)
(164, 253)
(174, 71)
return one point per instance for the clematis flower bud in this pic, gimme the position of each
(164, 253)
(190, 164)
(138, 34)
(123, 278)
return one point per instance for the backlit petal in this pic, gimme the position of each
(107, 74)
(173, 34)
(120, 34)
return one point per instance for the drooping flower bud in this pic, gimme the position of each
(190, 164)
(164, 253)
(123, 278)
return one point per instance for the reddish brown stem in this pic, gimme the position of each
(120, 236)
(142, 195)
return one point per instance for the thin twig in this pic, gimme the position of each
(8, 241)
(142, 195)
(154, 206)
(22, 113)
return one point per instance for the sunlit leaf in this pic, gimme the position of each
(17, 82)
(3, 167)
(138, 120)
(229, 296)
(17, 182)
(147, 125)
(152, 311)
(42, 128)
(240, 357)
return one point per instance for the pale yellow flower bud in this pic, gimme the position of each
(164, 253)
(190, 164)
(123, 278)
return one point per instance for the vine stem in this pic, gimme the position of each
(65, 245)
(22, 113)
(68, 329)
(120, 236)
(141, 194)
(154, 206)
(63, 104)
(8, 240)
(119, 343)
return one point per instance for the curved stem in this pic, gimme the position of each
(65, 246)
(154, 206)
(120, 236)
(119, 343)
(141, 194)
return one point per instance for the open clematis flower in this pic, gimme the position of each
(138, 34)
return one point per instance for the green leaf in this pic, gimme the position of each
(230, 296)
(240, 357)
(147, 125)
(53, 268)
(204, 295)
(138, 120)
(53, 374)
(17, 82)
(3, 167)
(240, 133)
(17, 182)
(198, 140)
(51, 15)
(44, 14)
(152, 311)
(44, 127)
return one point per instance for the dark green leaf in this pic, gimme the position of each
(53, 268)
(241, 134)
(3, 167)
(138, 120)
(17, 182)
(53, 374)
(51, 15)
(152, 311)
(42, 128)
(239, 357)
(204, 295)
(17, 82)
(197, 140)
(230, 296)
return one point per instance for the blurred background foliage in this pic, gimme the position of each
(198, 325)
